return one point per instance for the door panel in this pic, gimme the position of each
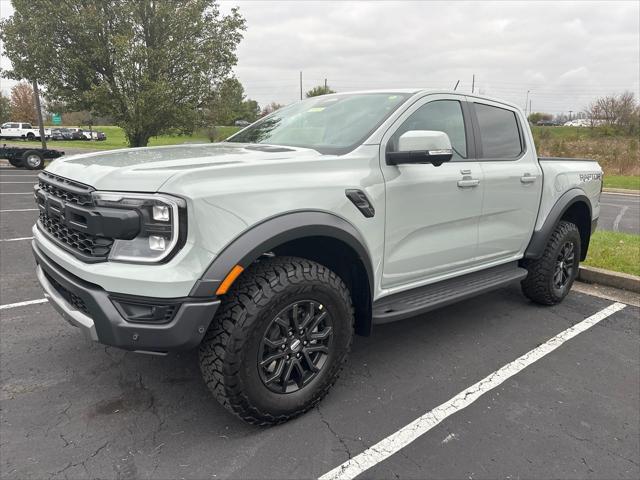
(432, 223)
(512, 182)
(510, 208)
(432, 212)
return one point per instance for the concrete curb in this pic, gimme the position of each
(621, 190)
(600, 276)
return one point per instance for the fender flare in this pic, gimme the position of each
(274, 231)
(540, 238)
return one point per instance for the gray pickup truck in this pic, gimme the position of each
(268, 251)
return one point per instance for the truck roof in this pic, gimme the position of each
(417, 91)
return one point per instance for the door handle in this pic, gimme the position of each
(527, 178)
(468, 183)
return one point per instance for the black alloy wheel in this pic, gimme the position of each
(564, 266)
(295, 346)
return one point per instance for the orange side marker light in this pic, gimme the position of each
(229, 279)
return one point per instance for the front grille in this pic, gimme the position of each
(53, 194)
(72, 299)
(65, 189)
(90, 245)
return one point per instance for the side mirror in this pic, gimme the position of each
(422, 146)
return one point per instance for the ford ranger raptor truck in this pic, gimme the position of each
(270, 250)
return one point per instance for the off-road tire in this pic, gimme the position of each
(16, 163)
(538, 285)
(228, 353)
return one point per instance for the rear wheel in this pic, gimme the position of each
(16, 163)
(33, 160)
(279, 340)
(551, 276)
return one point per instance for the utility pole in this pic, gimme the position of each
(456, 87)
(530, 111)
(325, 85)
(300, 85)
(36, 98)
(525, 104)
(473, 83)
(570, 112)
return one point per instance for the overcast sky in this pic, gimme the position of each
(566, 53)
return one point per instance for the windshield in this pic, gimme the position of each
(329, 124)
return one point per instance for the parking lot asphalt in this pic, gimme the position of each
(620, 213)
(72, 409)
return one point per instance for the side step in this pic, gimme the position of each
(422, 299)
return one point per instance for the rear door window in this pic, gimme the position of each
(499, 133)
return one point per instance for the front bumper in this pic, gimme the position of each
(91, 308)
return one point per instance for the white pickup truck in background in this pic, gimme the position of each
(13, 130)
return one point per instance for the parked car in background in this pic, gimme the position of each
(95, 135)
(546, 123)
(241, 123)
(61, 134)
(80, 134)
(15, 130)
(578, 122)
(76, 134)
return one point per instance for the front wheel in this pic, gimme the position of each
(279, 340)
(551, 276)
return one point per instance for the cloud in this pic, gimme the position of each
(565, 53)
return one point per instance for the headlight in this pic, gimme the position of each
(162, 225)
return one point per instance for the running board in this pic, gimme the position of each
(422, 299)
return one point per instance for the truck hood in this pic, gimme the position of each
(147, 169)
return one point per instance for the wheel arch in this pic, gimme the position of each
(315, 235)
(573, 206)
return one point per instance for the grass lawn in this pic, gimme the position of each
(117, 139)
(615, 251)
(630, 182)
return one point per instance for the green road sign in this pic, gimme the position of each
(56, 119)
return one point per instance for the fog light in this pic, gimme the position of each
(161, 213)
(156, 242)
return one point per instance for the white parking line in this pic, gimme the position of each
(616, 223)
(622, 194)
(15, 239)
(30, 183)
(20, 210)
(16, 193)
(403, 437)
(22, 304)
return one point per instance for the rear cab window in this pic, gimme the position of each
(500, 133)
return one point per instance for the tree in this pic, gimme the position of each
(5, 109)
(319, 90)
(22, 104)
(621, 111)
(535, 117)
(148, 64)
(272, 107)
(251, 110)
(228, 104)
